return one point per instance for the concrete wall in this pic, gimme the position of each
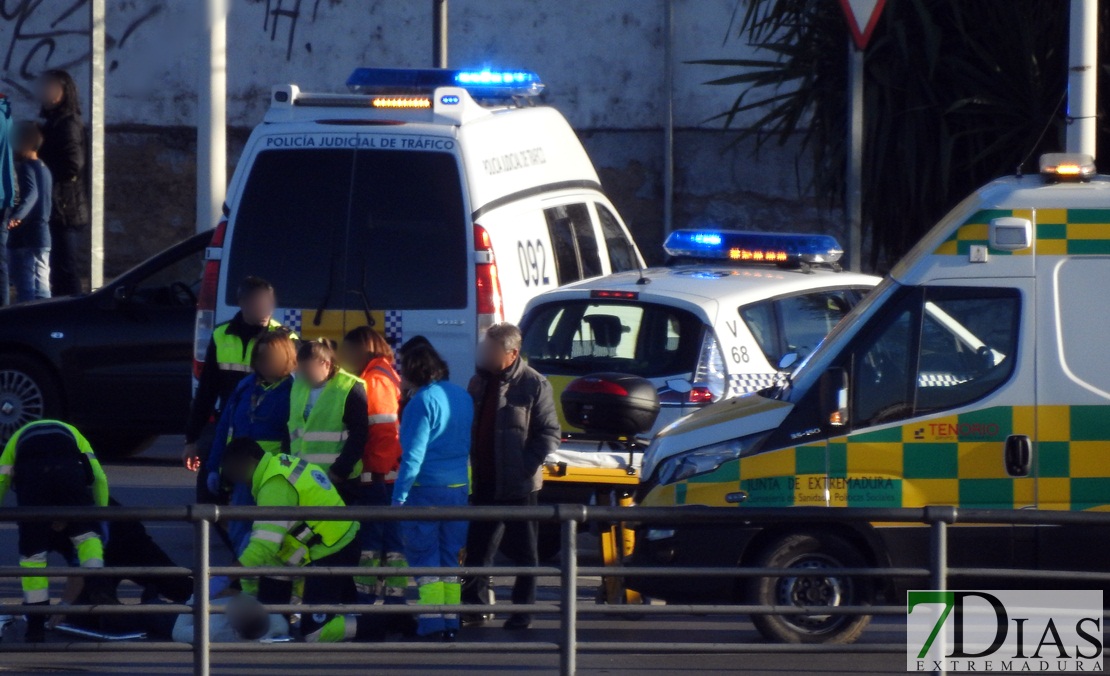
(603, 63)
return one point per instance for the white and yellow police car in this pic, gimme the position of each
(729, 315)
(973, 376)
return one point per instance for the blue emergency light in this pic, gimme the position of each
(487, 83)
(753, 247)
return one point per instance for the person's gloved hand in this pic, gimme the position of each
(213, 482)
(218, 585)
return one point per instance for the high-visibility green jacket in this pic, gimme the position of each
(285, 481)
(231, 355)
(7, 458)
(322, 436)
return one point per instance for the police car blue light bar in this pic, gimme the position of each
(753, 247)
(487, 83)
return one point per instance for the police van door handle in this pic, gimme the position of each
(1019, 455)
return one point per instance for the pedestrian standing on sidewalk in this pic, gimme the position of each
(64, 152)
(8, 190)
(29, 227)
(435, 450)
(515, 427)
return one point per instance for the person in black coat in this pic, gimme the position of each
(64, 153)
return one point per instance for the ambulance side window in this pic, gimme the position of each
(622, 253)
(574, 241)
(939, 348)
(882, 386)
(968, 345)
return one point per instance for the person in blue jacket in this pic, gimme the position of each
(434, 471)
(258, 409)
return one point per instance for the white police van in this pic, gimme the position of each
(430, 202)
(728, 316)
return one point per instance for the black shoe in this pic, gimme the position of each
(518, 621)
(475, 619)
(451, 635)
(36, 625)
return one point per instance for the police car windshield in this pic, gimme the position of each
(353, 229)
(581, 337)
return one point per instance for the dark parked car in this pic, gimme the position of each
(116, 362)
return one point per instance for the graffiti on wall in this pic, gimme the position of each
(281, 19)
(36, 35)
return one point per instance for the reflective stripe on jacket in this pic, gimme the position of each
(319, 439)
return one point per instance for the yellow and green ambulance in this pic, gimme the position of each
(972, 376)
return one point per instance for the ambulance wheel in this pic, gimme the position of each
(28, 392)
(808, 554)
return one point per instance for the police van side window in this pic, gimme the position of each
(574, 241)
(939, 349)
(622, 254)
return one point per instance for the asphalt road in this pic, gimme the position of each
(156, 478)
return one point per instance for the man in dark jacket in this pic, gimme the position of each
(64, 153)
(515, 427)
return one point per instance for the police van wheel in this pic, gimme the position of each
(28, 392)
(808, 554)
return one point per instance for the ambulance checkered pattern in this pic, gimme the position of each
(1060, 232)
(947, 460)
(392, 329)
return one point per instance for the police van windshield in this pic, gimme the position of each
(582, 337)
(353, 229)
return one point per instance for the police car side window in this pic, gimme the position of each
(761, 322)
(808, 318)
(622, 254)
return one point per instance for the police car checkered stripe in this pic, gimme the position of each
(940, 380)
(743, 383)
(393, 333)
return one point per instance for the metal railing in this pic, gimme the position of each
(569, 516)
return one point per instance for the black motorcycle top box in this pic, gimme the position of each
(612, 404)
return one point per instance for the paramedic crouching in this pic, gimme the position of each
(284, 481)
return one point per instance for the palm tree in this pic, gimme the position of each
(958, 92)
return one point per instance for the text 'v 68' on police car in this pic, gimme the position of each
(728, 316)
(430, 202)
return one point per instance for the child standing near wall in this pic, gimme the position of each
(29, 227)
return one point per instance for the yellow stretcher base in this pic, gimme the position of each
(611, 486)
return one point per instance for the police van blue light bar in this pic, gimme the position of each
(753, 247)
(482, 84)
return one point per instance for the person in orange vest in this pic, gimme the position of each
(366, 352)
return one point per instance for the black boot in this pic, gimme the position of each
(36, 625)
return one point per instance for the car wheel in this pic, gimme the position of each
(806, 555)
(28, 392)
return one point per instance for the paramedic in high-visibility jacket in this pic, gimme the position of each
(281, 480)
(50, 464)
(435, 460)
(367, 352)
